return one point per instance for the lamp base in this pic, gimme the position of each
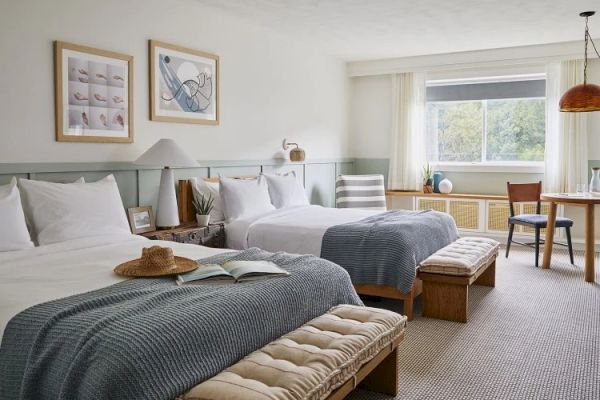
(167, 213)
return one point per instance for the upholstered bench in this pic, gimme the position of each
(448, 273)
(324, 359)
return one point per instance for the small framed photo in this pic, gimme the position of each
(141, 219)
(184, 85)
(93, 94)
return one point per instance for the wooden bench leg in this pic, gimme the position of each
(408, 308)
(384, 378)
(488, 278)
(445, 301)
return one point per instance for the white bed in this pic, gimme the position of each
(296, 229)
(40, 274)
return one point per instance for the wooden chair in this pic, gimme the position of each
(531, 192)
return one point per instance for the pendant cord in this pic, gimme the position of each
(588, 38)
(587, 35)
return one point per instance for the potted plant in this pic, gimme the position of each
(428, 178)
(203, 208)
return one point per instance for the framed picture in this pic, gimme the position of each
(184, 85)
(141, 219)
(93, 94)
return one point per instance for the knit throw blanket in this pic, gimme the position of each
(150, 339)
(386, 248)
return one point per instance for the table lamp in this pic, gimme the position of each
(166, 153)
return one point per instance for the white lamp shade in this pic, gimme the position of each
(166, 153)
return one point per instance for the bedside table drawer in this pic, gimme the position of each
(210, 236)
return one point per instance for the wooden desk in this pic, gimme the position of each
(588, 203)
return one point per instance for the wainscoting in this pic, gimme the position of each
(139, 185)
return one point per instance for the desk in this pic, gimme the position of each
(579, 200)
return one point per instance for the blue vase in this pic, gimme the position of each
(437, 178)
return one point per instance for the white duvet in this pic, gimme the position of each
(297, 229)
(44, 273)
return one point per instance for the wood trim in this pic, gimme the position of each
(379, 375)
(187, 213)
(561, 198)
(446, 196)
(152, 44)
(58, 93)
(391, 292)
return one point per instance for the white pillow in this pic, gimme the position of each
(285, 190)
(61, 212)
(201, 187)
(244, 198)
(13, 229)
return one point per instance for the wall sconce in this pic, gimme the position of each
(296, 154)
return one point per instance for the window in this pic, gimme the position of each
(490, 122)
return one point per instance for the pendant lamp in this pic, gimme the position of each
(584, 97)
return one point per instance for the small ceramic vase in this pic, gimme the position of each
(202, 220)
(445, 186)
(595, 182)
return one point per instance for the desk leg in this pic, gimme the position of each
(549, 236)
(589, 243)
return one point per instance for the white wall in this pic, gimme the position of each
(370, 116)
(271, 87)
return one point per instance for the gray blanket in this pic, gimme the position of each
(150, 339)
(386, 248)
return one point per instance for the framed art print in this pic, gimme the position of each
(184, 85)
(93, 94)
(141, 219)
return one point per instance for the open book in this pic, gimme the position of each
(235, 271)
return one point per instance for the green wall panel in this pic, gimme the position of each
(320, 183)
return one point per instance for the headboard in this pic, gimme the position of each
(187, 212)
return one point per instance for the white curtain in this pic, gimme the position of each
(566, 133)
(407, 148)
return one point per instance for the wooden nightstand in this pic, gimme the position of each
(210, 236)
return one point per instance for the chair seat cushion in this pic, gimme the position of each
(539, 220)
(464, 257)
(309, 362)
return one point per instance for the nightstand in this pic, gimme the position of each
(212, 235)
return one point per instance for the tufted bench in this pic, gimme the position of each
(448, 273)
(323, 359)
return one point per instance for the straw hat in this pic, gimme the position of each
(156, 261)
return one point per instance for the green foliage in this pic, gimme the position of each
(427, 172)
(515, 130)
(204, 206)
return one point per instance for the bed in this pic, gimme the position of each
(301, 229)
(178, 335)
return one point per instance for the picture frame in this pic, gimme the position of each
(184, 84)
(141, 219)
(93, 94)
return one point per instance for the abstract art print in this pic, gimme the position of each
(183, 85)
(93, 92)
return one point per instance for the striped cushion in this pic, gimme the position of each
(360, 191)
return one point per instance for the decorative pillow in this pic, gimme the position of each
(13, 234)
(244, 198)
(285, 190)
(61, 212)
(201, 187)
(360, 191)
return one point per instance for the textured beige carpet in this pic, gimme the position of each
(536, 335)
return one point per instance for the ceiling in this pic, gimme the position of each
(374, 29)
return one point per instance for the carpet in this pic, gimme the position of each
(536, 335)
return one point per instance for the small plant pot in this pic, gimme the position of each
(202, 220)
(427, 189)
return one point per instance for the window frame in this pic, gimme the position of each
(483, 165)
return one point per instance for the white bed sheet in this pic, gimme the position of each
(45, 273)
(297, 229)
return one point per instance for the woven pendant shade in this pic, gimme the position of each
(581, 98)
